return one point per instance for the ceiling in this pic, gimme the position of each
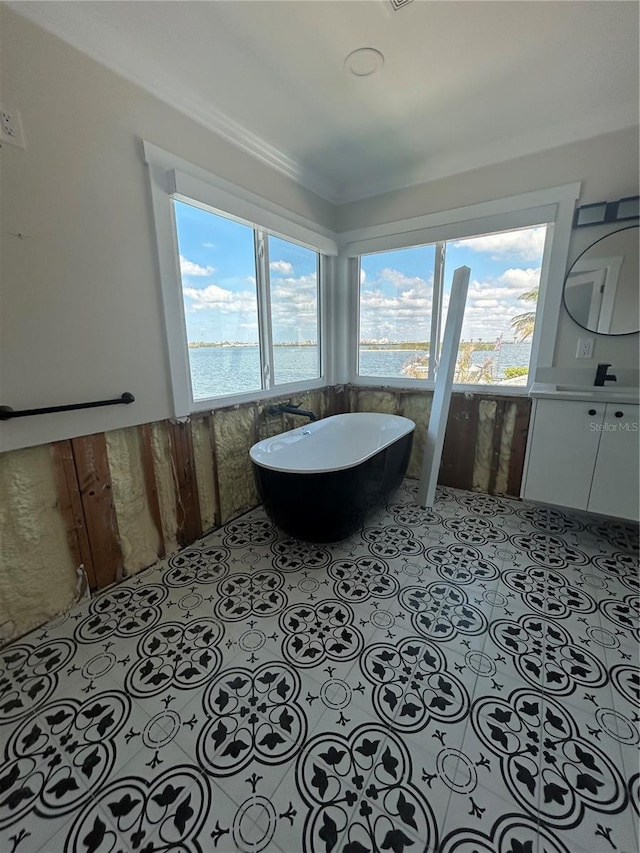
(465, 83)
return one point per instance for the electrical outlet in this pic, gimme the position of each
(11, 127)
(585, 348)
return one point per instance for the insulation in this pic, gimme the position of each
(417, 407)
(37, 574)
(39, 577)
(269, 425)
(235, 433)
(377, 401)
(201, 438)
(164, 482)
(506, 444)
(484, 446)
(139, 538)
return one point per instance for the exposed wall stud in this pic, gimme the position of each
(187, 499)
(214, 462)
(497, 435)
(71, 507)
(519, 445)
(150, 483)
(458, 452)
(94, 478)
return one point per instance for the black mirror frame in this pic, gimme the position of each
(564, 287)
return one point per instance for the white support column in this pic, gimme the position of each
(442, 392)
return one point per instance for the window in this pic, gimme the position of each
(404, 295)
(234, 278)
(259, 302)
(218, 271)
(293, 273)
(243, 284)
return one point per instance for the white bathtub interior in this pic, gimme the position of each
(332, 444)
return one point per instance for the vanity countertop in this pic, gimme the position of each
(590, 393)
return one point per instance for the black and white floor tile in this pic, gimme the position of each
(464, 680)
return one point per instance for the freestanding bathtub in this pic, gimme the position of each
(317, 482)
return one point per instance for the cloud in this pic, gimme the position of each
(190, 268)
(281, 266)
(521, 279)
(527, 243)
(294, 307)
(401, 281)
(222, 300)
(395, 306)
(492, 304)
(398, 307)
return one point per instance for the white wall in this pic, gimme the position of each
(80, 311)
(606, 165)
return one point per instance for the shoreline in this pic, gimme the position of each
(366, 348)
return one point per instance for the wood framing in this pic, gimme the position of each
(150, 483)
(70, 504)
(519, 445)
(214, 463)
(498, 424)
(94, 480)
(184, 467)
(458, 452)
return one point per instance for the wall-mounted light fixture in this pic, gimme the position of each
(603, 212)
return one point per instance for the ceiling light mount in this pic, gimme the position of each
(364, 61)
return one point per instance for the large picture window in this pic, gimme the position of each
(250, 305)
(259, 300)
(245, 286)
(404, 296)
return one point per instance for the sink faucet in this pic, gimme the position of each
(292, 410)
(603, 376)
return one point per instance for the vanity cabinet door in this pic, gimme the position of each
(562, 452)
(616, 478)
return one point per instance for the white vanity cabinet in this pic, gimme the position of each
(584, 455)
(615, 489)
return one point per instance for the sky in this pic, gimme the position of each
(396, 287)
(218, 279)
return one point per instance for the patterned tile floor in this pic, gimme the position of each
(462, 681)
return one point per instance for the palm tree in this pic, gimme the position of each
(523, 324)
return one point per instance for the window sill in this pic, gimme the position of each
(212, 404)
(417, 385)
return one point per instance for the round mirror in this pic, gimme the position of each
(601, 289)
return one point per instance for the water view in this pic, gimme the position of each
(220, 370)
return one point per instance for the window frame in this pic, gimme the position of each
(172, 178)
(553, 207)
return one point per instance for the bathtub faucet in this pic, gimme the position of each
(289, 408)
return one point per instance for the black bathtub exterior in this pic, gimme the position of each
(330, 506)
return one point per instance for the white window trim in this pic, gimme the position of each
(172, 177)
(554, 206)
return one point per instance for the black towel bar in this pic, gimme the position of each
(7, 413)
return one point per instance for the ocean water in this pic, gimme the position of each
(233, 370)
